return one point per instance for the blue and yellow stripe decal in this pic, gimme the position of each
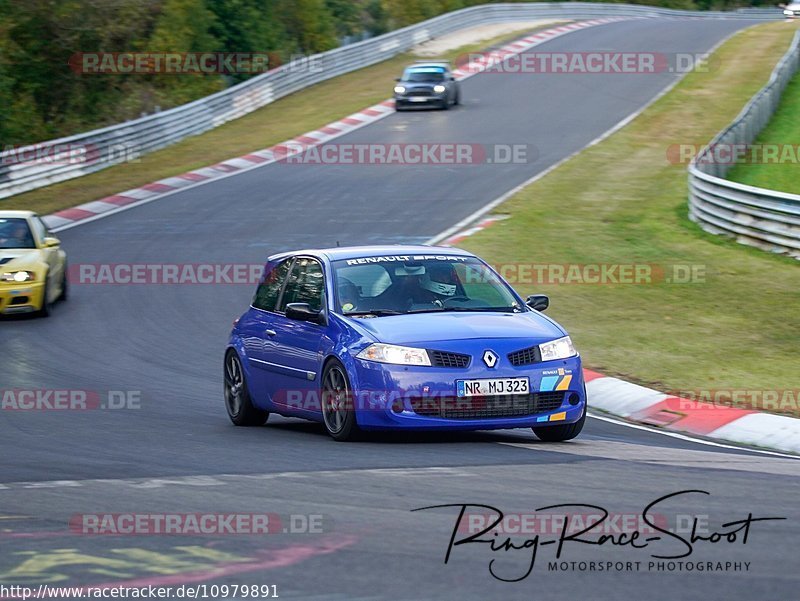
(555, 417)
(551, 383)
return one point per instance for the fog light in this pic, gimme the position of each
(397, 406)
(574, 398)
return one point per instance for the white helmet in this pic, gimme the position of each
(432, 283)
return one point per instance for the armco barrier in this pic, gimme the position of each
(755, 216)
(117, 143)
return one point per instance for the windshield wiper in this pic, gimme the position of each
(466, 309)
(376, 313)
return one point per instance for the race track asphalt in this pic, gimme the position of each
(178, 453)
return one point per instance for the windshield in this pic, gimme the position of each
(15, 233)
(398, 284)
(418, 75)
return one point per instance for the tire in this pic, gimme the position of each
(457, 99)
(64, 285)
(338, 413)
(237, 396)
(565, 431)
(47, 307)
(446, 105)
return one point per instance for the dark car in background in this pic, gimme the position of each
(429, 83)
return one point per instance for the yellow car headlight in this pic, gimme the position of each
(19, 277)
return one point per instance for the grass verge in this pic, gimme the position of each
(622, 202)
(286, 118)
(783, 129)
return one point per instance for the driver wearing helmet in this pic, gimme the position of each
(437, 284)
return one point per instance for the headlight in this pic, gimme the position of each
(439, 88)
(788, 13)
(19, 276)
(399, 355)
(399, 90)
(557, 349)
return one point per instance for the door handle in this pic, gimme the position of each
(270, 332)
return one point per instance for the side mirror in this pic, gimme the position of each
(304, 312)
(452, 78)
(50, 242)
(397, 79)
(538, 302)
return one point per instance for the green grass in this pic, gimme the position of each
(284, 119)
(623, 202)
(783, 129)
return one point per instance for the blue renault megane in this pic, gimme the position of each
(400, 337)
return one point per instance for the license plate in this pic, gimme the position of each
(418, 99)
(491, 387)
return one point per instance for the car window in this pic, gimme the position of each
(268, 291)
(474, 279)
(15, 233)
(424, 75)
(417, 283)
(306, 284)
(370, 280)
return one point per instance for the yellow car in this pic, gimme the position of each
(33, 268)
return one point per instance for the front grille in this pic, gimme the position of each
(448, 359)
(525, 356)
(488, 406)
(419, 92)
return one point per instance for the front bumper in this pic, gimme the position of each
(406, 100)
(21, 298)
(401, 397)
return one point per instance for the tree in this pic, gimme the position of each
(184, 26)
(250, 26)
(309, 23)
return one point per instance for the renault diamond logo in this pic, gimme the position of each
(489, 358)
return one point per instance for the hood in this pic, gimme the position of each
(432, 327)
(17, 258)
(420, 85)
